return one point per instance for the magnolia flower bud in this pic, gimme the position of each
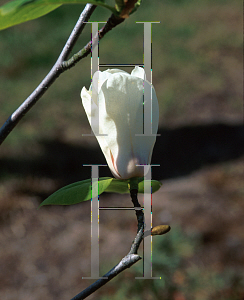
(118, 97)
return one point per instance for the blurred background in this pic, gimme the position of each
(197, 74)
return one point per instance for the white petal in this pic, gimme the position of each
(86, 101)
(99, 78)
(138, 72)
(122, 119)
(91, 110)
(113, 71)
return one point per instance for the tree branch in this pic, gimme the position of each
(132, 257)
(125, 263)
(60, 66)
(111, 23)
(54, 73)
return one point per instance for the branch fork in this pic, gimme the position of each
(61, 65)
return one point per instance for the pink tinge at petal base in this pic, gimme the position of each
(114, 165)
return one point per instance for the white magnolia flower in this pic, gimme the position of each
(119, 97)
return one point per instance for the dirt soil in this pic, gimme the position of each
(44, 253)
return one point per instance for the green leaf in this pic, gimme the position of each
(155, 185)
(77, 192)
(19, 11)
(82, 190)
(118, 186)
(121, 186)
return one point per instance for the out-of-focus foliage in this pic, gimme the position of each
(196, 66)
(197, 74)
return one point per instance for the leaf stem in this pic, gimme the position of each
(131, 258)
(138, 209)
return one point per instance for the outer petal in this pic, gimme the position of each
(113, 71)
(138, 72)
(99, 78)
(121, 100)
(121, 118)
(91, 110)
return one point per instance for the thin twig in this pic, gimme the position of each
(60, 66)
(111, 23)
(140, 222)
(138, 209)
(137, 241)
(130, 259)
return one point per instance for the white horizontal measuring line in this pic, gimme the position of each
(120, 65)
(113, 208)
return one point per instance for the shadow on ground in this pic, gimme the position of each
(206, 254)
(178, 151)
